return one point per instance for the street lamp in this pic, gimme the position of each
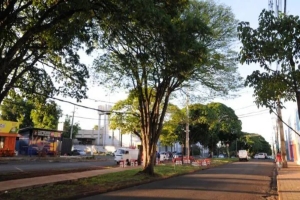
(71, 134)
(227, 145)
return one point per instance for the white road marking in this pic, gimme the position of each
(19, 169)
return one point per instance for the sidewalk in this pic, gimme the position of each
(288, 182)
(43, 180)
(19, 159)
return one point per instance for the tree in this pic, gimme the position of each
(169, 134)
(212, 124)
(37, 112)
(16, 108)
(46, 115)
(68, 126)
(95, 127)
(160, 46)
(255, 143)
(276, 40)
(125, 116)
(224, 122)
(39, 43)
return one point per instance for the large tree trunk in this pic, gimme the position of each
(149, 155)
(140, 155)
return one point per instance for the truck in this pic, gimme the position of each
(243, 155)
(126, 155)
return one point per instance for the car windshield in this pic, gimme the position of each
(120, 151)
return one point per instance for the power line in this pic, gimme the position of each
(86, 118)
(245, 107)
(252, 113)
(96, 100)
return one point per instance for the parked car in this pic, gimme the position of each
(164, 156)
(78, 152)
(262, 156)
(221, 156)
(243, 155)
(177, 155)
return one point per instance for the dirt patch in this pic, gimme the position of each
(32, 174)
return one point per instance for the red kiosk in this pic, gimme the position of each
(8, 135)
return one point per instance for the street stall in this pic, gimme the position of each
(8, 136)
(38, 141)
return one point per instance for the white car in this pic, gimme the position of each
(243, 155)
(163, 156)
(221, 156)
(78, 152)
(261, 155)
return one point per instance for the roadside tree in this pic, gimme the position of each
(39, 45)
(164, 46)
(34, 112)
(46, 115)
(275, 41)
(255, 143)
(15, 108)
(68, 126)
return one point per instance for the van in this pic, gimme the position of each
(243, 155)
(126, 154)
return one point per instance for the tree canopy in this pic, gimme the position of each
(68, 126)
(275, 46)
(160, 46)
(125, 116)
(255, 143)
(38, 113)
(39, 44)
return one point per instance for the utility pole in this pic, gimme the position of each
(71, 134)
(278, 6)
(98, 132)
(282, 141)
(187, 129)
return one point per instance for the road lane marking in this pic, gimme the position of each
(19, 169)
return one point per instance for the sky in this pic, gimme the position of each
(254, 120)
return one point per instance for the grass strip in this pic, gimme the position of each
(103, 183)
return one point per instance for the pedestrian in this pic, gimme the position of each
(157, 157)
(278, 160)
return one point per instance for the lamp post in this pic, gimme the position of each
(187, 129)
(227, 145)
(71, 134)
(98, 132)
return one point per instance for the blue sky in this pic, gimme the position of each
(254, 120)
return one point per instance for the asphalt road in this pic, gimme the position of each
(27, 166)
(239, 180)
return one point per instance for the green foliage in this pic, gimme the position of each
(125, 116)
(213, 123)
(15, 108)
(96, 127)
(46, 115)
(39, 43)
(276, 40)
(159, 46)
(254, 143)
(170, 132)
(34, 112)
(68, 126)
(224, 122)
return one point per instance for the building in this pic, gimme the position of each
(292, 137)
(39, 141)
(8, 137)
